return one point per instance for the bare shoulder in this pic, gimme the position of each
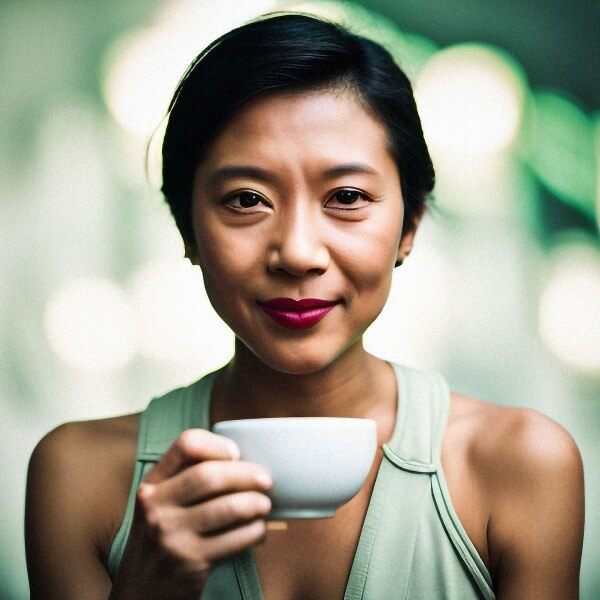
(510, 445)
(77, 484)
(532, 473)
(90, 449)
(90, 459)
(98, 433)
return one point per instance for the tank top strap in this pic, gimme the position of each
(159, 425)
(167, 416)
(423, 405)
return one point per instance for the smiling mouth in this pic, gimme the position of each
(297, 314)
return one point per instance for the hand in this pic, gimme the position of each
(197, 505)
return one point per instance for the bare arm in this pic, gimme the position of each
(63, 558)
(195, 506)
(536, 527)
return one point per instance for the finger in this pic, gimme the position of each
(210, 478)
(235, 540)
(228, 511)
(193, 445)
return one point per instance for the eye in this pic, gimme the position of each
(347, 199)
(242, 200)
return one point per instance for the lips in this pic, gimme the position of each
(297, 314)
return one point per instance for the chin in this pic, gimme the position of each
(295, 364)
(299, 368)
(292, 359)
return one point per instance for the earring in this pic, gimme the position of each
(401, 260)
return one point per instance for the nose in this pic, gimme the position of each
(297, 246)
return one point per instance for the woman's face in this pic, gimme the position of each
(298, 199)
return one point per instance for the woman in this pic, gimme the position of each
(296, 170)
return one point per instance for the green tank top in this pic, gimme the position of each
(412, 544)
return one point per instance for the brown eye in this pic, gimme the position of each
(244, 200)
(351, 198)
(248, 199)
(347, 196)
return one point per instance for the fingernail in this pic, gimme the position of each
(234, 450)
(264, 479)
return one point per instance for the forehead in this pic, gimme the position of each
(329, 125)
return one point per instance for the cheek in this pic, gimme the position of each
(369, 255)
(225, 261)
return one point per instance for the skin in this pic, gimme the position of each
(515, 477)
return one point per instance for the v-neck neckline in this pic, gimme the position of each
(245, 564)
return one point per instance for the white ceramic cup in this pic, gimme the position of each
(317, 463)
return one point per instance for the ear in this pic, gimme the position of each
(191, 253)
(408, 237)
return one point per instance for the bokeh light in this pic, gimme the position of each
(471, 98)
(88, 323)
(177, 324)
(140, 79)
(413, 327)
(142, 68)
(597, 156)
(489, 188)
(561, 149)
(569, 308)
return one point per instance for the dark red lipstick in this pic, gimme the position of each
(296, 314)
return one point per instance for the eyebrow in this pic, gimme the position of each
(350, 168)
(235, 171)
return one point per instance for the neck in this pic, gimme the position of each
(347, 387)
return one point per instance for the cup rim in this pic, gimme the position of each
(298, 421)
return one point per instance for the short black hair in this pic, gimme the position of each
(286, 53)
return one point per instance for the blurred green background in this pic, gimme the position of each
(99, 311)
